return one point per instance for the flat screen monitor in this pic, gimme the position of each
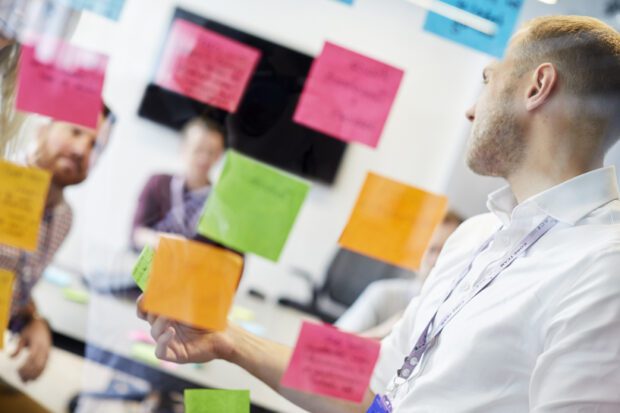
(263, 126)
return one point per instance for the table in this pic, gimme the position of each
(106, 323)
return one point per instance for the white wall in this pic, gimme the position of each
(421, 140)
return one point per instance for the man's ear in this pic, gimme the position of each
(542, 84)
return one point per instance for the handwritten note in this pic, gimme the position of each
(393, 222)
(142, 268)
(67, 88)
(348, 96)
(108, 8)
(253, 207)
(23, 193)
(331, 363)
(193, 282)
(6, 294)
(503, 13)
(217, 401)
(206, 66)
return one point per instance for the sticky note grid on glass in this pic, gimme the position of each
(6, 293)
(66, 88)
(393, 222)
(253, 207)
(192, 282)
(206, 66)
(331, 363)
(23, 193)
(108, 8)
(142, 268)
(217, 401)
(348, 95)
(503, 13)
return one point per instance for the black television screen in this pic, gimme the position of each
(263, 126)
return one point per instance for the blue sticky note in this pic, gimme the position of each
(503, 13)
(346, 1)
(108, 8)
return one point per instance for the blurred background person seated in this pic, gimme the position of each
(173, 203)
(383, 302)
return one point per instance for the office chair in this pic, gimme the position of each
(347, 276)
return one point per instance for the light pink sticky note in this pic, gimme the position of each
(331, 363)
(348, 95)
(206, 66)
(66, 86)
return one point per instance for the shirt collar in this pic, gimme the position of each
(567, 202)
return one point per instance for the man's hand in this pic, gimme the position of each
(180, 343)
(37, 338)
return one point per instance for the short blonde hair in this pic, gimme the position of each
(11, 120)
(586, 53)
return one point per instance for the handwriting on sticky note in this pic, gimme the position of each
(253, 207)
(142, 268)
(23, 193)
(193, 282)
(393, 222)
(108, 8)
(348, 96)
(217, 401)
(6, 294)
(206, 66)
(331, 363)
(503, 13)
(67, 88)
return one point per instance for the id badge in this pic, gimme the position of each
(381, 404)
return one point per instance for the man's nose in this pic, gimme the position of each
(470, 114)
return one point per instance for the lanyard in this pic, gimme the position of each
(429, 335)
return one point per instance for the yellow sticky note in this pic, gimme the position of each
(23, 192)
(6, 294)
(393, 222)
(193, 282)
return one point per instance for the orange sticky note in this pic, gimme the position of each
(393, 222)
(192, 282)
(23, 192)
(6, 294)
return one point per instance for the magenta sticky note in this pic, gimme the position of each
(206, 66)
(331, 363)
(66, 86)
(348, 95)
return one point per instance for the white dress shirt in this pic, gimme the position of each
(545, 335)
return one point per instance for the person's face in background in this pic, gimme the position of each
(202, 148)
(65, 149)
(440, 236)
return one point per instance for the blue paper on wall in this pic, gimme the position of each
(503, 13)
(108, 8)
(346, 1)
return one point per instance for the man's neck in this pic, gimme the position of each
(527, 182)
(54, 196)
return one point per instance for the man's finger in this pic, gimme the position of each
(158, 327)
(139, 310)
(163, 350)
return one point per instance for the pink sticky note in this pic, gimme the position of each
(331, 363)
(348, 96)
(206, 66)
(66, 87)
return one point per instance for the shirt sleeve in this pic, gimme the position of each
(394, 348)
(579, 368)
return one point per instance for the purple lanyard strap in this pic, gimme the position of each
(428, 336)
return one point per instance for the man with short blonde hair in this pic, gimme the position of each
(522, 310)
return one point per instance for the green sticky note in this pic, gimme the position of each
(142, 268)
(217, 401)
(75, 295)
(253, 207)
